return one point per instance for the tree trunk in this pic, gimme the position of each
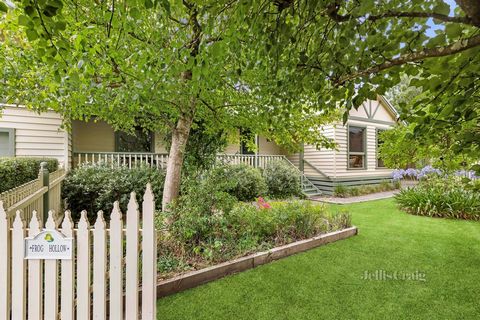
(180, 135)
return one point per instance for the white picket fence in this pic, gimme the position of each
(100, 282)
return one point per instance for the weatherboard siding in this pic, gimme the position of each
(36, 134)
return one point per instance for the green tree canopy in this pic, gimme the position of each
(280, 67)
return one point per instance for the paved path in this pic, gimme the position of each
(364, 198)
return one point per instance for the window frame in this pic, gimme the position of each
(11, 141)
(377, 130)
(364, 146)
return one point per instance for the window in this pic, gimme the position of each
(140, 141)
(7, 142)
(356, 148)
(245, 137)
(380, 163)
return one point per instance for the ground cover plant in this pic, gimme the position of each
(329, 282)
(220, 229)
(17, 171)
(447, 196)
(343, 191)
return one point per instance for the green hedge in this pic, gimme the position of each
(17, 171)
(95, 187)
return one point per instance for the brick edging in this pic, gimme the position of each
(198, 277)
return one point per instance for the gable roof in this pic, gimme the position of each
(384, 101)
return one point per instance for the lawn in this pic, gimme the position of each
(326, 283)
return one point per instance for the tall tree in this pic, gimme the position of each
(161, 64)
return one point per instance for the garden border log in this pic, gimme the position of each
(195, 278)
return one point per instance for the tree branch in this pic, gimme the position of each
(471, 9)
(454, 48)
(332, 11)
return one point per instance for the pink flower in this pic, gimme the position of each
(262, 204)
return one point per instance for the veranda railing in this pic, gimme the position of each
(159, 160)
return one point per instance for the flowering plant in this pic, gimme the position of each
(415, 174)
(262, 204)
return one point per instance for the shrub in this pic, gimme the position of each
(447, 197)
(340, 191)
(245, 183)
(17, 171)
(222, 234)
(282, 180)
(95, 187)
(385, 185)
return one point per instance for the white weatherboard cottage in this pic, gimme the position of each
(24, 133)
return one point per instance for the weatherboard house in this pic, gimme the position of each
(355, 161)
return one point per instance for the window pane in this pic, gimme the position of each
(141, 141)
(355, 161)
(356, 139)
(4, 144)
(380, 163)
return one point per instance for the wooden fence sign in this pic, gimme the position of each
(49, 245)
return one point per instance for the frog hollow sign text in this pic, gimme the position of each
(49, 245)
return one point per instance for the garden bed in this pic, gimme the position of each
(195, 278)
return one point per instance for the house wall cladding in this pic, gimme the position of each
(36, 134)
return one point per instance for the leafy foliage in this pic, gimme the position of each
(282, 180)
(402, 148)
(199, 237)
(448, 197)
(150, 62)
(343, 191)
(245, 183)
(96, 187)
(17, 171)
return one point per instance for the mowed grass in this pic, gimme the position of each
(326, 283)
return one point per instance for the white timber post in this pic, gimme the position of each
(131, 282)
(4, 264)
(83, 268)
(68, 276)
(149, 249)
(116, 263)
(35, 275)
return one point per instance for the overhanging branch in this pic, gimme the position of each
(454, 48)
(332, 11)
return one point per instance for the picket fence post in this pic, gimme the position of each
(51, 274)
(35, 275)
(99, 268)
(131, 281)
(18, 266)
(4, 264)
(149, 249)
(116, 263)
(68, 274)
(83, 268)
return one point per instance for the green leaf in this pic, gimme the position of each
(442, 8)
(31, 35)
(3, 7)
(447, 110)
(60, 25)
(148, 4)
(23, 20)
